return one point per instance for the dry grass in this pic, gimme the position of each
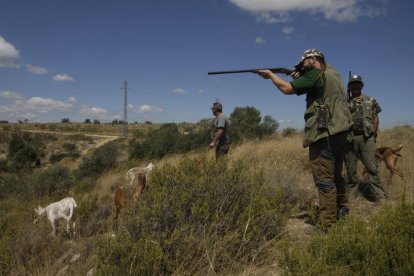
(283, 162)
(395, 186)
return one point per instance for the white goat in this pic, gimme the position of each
(57, 210)
(132, 173)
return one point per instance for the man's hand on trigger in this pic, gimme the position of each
(295, 74)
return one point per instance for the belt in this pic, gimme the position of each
(358, 131)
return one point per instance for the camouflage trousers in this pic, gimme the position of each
(363, 148)
(327, 158)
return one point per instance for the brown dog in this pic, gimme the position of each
(390, 156)
(123, 196)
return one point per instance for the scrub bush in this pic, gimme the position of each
(383, 246)
(196, 217)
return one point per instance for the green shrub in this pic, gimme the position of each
(56, 157)
(24, 158)
(195, 217)
(7, 127)
(69, 146)
(384, 246)
(167, 140)
(101, 160)
(3, 165)
(288, 132)
(25, 150)
(91, 215)
(14, 185)
(54, 181)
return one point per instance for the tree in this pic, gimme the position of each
(16, 143)
(87, 121)
(269, 125)
(245, 123)
(101, 160)
(54, 180)
(65, 120)
(96, 122)
(23, 151)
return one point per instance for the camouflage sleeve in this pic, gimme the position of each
(375, 107)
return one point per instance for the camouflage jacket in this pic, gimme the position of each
(363, 109)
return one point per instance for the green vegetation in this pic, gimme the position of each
(24, 151)
(196, 216)
(246, 124)
(167, 140)
(54, 181)
(101, 160)
(383, 246)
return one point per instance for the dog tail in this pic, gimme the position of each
(397, 150)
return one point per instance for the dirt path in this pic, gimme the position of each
(99, 143)
(102, 139)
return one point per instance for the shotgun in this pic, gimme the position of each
(280, 70)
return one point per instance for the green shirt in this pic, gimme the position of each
(310, 84)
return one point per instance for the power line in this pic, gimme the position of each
(125, 109)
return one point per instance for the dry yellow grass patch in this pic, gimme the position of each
(284, 163)
(395, 186)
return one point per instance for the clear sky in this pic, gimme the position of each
(69, 59)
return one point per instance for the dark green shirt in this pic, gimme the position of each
(310, 84)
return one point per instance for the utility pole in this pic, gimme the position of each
(125, 109)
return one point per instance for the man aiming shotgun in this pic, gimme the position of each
(327, 122)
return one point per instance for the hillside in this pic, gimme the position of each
(199, 217)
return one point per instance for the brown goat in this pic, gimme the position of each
(390, 156)
(122, 197)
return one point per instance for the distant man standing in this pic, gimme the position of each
(220, 126)
(327, 122)
(361, 143)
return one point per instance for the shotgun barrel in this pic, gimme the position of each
(280, 70)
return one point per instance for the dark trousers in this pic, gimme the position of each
(222, 150)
